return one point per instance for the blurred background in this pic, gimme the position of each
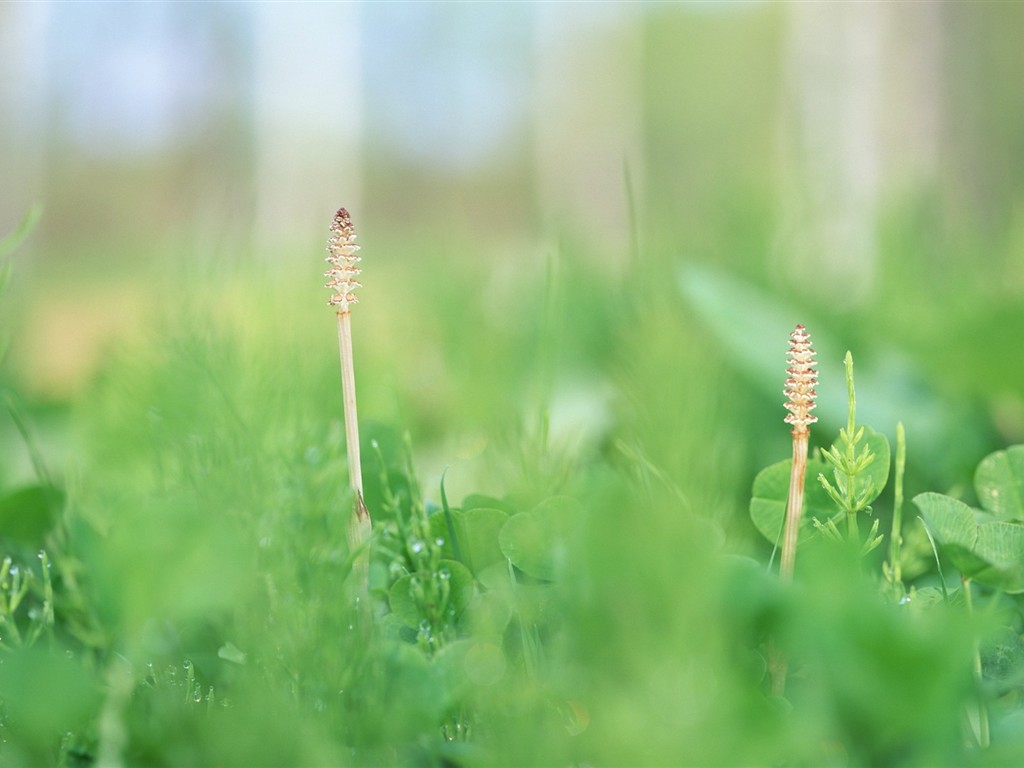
(861, 163)
(588, 230)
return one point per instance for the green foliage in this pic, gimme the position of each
(538, 542)
(984, 544)
(586, 606)
(749, 322)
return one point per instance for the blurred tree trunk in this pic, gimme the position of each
(862, 120)
(307, 118)
(24, 93)
(589, 119)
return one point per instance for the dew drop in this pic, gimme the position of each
(416, 547)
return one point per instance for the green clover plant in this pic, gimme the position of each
(987, 544)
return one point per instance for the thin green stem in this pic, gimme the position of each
(851, 419)
(983, 733)
(852, 528)
(896, 537)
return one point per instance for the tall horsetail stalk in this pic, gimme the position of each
(341, 255)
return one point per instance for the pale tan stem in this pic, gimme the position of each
(348, 392)
(359, 527)
(794, 506)
(778, 664)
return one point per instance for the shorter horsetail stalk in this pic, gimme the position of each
(342, 256)
(802, 376)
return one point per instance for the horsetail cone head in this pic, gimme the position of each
(341, 255)
(802, 376)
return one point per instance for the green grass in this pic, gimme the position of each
(605, 599)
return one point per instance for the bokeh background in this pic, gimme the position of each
(860, 164)
(587, 229)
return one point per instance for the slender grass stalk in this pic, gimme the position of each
(852, 528)
(894, 571)
(982, 732)
(802, 376)
(342, 250)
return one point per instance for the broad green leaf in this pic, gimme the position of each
(530, 603)
(1002, 544)
(485, 663)
(953, 525)
(477, 531)
(999, 482)
(496, 576)
(480, 501)
(404, 606)
(29, 513)
(465, 663)
(487, 615)
(991, 552)
(771, 493)
(45, 693)
(537, 542)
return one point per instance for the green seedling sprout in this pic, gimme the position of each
(342, 256)
(850, 461)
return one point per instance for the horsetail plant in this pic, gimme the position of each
(342, 256)
(802, 378)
